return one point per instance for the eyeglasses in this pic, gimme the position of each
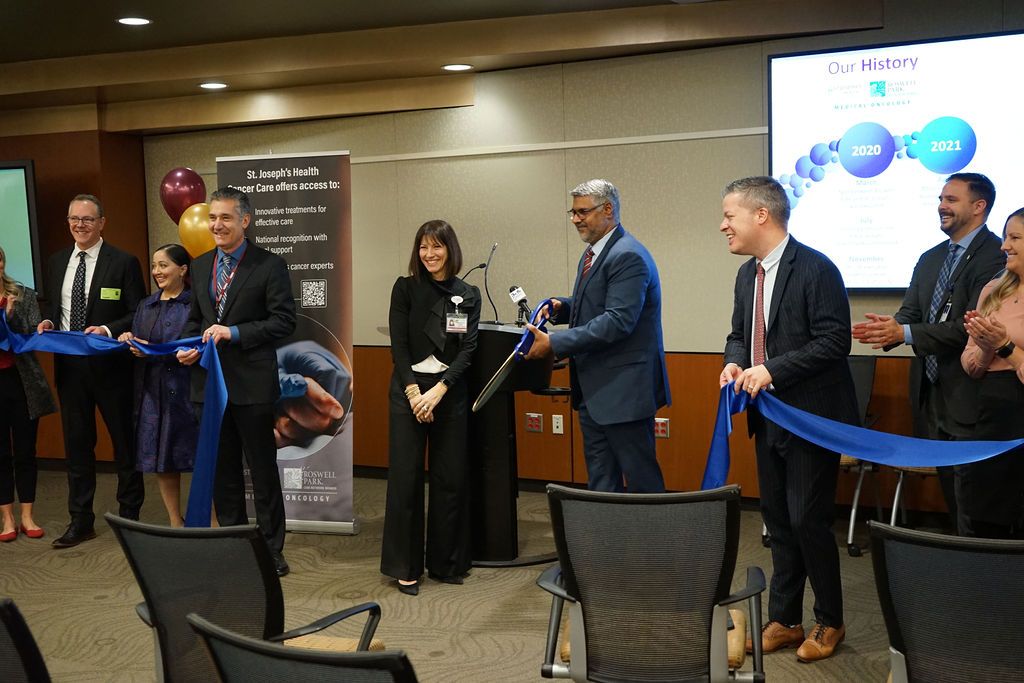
(84, 220)
(583, 213)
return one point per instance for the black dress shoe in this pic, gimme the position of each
(409, 588)
(73, 536)
(280, 566)
(455, 580)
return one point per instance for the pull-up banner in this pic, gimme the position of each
(301, 205)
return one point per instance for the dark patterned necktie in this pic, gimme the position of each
(759, 329)
(223, 279)
(588, 260)
(77, 318)
(939, 297)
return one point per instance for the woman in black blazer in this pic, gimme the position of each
(433, 319)
(24, 398)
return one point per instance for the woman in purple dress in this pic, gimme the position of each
(166, 430)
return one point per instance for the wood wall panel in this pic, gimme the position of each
(694, 381)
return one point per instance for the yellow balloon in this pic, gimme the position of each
(194, 229)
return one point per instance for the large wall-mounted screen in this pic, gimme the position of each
(18, 230)
(863, 140)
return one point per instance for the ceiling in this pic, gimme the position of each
(60, 54)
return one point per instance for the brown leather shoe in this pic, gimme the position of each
(775, 636)
(822, 642)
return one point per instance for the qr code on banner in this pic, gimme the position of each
(314, 293)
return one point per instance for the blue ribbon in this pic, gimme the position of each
(527, 338)
(215, 400)
(865, 444)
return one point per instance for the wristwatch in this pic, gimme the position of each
(1006, 349)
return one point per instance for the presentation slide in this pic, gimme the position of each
(863, 140)
(16, 226)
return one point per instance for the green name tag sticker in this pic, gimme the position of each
(110, 294)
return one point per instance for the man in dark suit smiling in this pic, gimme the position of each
(790, 335)
(243, 302)
(94, 287)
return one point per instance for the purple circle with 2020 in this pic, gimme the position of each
(866, 150)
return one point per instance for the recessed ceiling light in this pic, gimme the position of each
(213, 85)
(134, 21)
(458, 67)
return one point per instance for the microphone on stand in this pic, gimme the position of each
(487, 290)
(476, 267)
(518, 296)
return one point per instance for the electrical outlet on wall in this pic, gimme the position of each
(557, 424)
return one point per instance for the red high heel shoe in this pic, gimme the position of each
(32, 533)
(8, 537)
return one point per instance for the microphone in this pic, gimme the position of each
(518, 296)
(476, 267)
(487, 290)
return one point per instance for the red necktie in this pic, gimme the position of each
(759, 329)
(588, 260)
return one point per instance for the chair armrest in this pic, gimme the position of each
(143, 611)
(551, 581)
(755, 585)
(372, 619)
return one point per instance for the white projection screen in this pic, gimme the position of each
(863, 140)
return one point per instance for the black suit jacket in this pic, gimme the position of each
(115, 269)
(946, 340)
(260, 303)
(808, 334)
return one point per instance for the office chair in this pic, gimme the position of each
(243, 659)
(20, 659)
(647, 578)
(951, 605)
(225, 574)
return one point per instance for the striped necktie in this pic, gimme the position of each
(224, 272)
(588, 260)
(939, 298)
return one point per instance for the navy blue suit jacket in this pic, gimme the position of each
(614, 341)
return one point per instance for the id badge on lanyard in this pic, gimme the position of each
(456, 322)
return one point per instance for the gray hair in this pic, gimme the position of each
(601, 191)
(229, 193)
(90, 198)
(762, 191)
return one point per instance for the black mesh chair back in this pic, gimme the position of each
(20, 659)
(225, 574)
(647, 571)
(952, 605)
(249, 660)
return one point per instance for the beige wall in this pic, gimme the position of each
(670, 130)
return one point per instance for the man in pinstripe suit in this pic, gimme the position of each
(790, 335)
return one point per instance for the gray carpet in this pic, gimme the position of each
(80, 602)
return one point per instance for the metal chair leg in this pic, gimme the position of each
(852, 548)
(896, 498)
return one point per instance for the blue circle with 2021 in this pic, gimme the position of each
(946, 145)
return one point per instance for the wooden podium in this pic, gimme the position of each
(494, 476)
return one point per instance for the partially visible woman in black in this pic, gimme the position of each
(24, 398)
(990, 493)
(433, 319)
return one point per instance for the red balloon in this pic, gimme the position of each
(180, 189)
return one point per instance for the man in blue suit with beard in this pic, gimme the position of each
(614, 346)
